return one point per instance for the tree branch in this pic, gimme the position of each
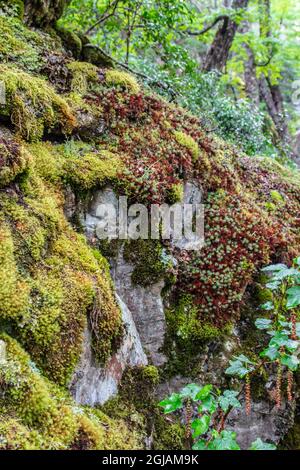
(205, 30)
(104, 17)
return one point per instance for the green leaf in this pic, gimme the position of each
(297, 261)
(190, 391)
(172, 403)
(226, 441)
(273, 285)
(267, 306)
(291, 361)
(200, 445)
(272, 352)
(228, 399)
(293, 297)
(260, 445)
(208, 404)
(244, 359)
(274, 267)
(204, 392)
(263, 323)
(200, 425)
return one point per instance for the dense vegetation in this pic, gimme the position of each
(143, 96)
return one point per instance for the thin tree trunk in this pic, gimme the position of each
(251, 82)
(270, 93)
(218, 52)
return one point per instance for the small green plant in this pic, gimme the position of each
(207, 430)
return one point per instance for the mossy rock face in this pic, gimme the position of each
(53, 284)
(96, 57)
(13, 7)
(14, 160)
(35, 414)
(32, 105)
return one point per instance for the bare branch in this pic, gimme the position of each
(208, 28)
(105, 16)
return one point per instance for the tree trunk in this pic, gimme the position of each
(218, 52)
(43, 13)
(250, 77)
(270, 93)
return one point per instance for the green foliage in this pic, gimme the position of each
(211, 405)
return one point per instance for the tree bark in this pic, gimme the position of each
(43, 13)
(250, 77)
(218, 52)
(269, 93)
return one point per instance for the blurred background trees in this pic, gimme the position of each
(235, 63)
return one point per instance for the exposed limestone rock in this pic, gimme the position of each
(145, 303)
(92, 384)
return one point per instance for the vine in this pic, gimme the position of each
(208, 409)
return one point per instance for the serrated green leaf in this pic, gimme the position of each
(291, 361)
(172, 403)
(208, 404)
(272, 352)
(267, 306)
(293, 297)
(228, 399)
(190, 391)
(263, 323)
(200, 425)
(204, 392)
(260, 445)
(274, 267)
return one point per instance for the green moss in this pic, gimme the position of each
(185, 325)
(13, 7)
(189, 143)
(14, 160)
(122, 79)
(35, 414)
(92, 169)
(176, 193)
(138, 385)
(33, 106)
(82, 74)
(168, 436)
(21, 46)
(150, 260)
(71, 41)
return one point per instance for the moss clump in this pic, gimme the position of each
(33, 106)
(71, 41)
(168, 436)
(185, 326)
(150, 260)
(52, 283)
(93, 169)
(138, 385)
(20, 46)
(13, 7)
(176, 193)
(14, 161)
(189, 143)
(14, 291)
(123, 80)
(82, 74)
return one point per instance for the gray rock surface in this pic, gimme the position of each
(92, 384)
